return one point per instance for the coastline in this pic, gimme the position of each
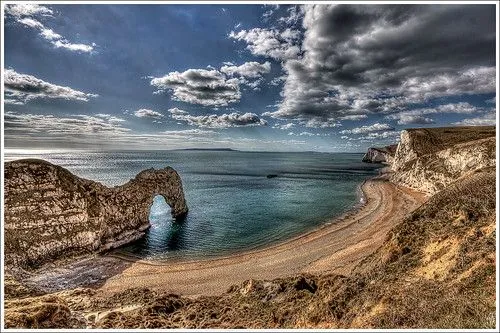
(335, 247)
(360, 202)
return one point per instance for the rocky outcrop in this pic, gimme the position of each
(51, 213)
(415, 143)
(383, 155)
(429, 159)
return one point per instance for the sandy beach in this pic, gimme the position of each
(335, 248)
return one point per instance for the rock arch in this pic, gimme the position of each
(51, 213)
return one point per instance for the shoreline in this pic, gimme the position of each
(335, 247)
(361, 201)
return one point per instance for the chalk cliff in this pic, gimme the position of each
(429, 159)
(383, 155)
(51, 213)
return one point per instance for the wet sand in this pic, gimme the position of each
(335, 248)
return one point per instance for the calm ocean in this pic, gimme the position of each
(233, 206)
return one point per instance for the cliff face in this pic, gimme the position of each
(430, 159)
(50, 213)
(380, 155)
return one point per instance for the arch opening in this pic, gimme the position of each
(165, 234)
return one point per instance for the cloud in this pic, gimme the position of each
(413, 119)
(146, 113)
(250, 69)
(27, 123)
(22, 88)
(377, 127)
(73, 47)
(284, 126)
(488, 119)
(362, 59)
(199, 86)
(295, 14)
(416, 116)
(234, 119)
(319, 123)
(27, 9)
(27, 15)
(270, 43)
(354, 117)
(492, 100)
(268, 13)
(177, 111)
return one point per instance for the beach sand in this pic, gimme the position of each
(335, 248)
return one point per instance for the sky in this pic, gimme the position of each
(324, 77)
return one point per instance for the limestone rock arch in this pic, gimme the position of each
(51, 213)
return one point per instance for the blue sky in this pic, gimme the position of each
(249, 77)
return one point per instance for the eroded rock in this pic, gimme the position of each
(51, 213)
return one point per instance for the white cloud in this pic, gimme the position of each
(146, 113)
(62, 43)
(377, 127)
(234, 119)
(24, 87)
(27, 9)
(417, 116)
(31, 23)
(50, 34)
(177, 111)
(353, 117)
(270, 42)
(98, 124)
(250, 69)
(284, 126)
(27, 14)
(404, 119)
(488, 119)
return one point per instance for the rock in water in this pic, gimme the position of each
(51, 213)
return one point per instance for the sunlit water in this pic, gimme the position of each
(233, 206)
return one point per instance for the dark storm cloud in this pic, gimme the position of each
(360, 59)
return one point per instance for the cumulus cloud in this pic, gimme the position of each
(146, 113)
(200, 86)
(377, 127)
(361, 59)
(21, 88)
(212, 87)
(27, 15)
(234, 119)
(271, 43)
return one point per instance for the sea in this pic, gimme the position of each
(233, 205)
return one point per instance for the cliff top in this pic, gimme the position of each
(429, 140)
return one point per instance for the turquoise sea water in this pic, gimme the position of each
(233, 206)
